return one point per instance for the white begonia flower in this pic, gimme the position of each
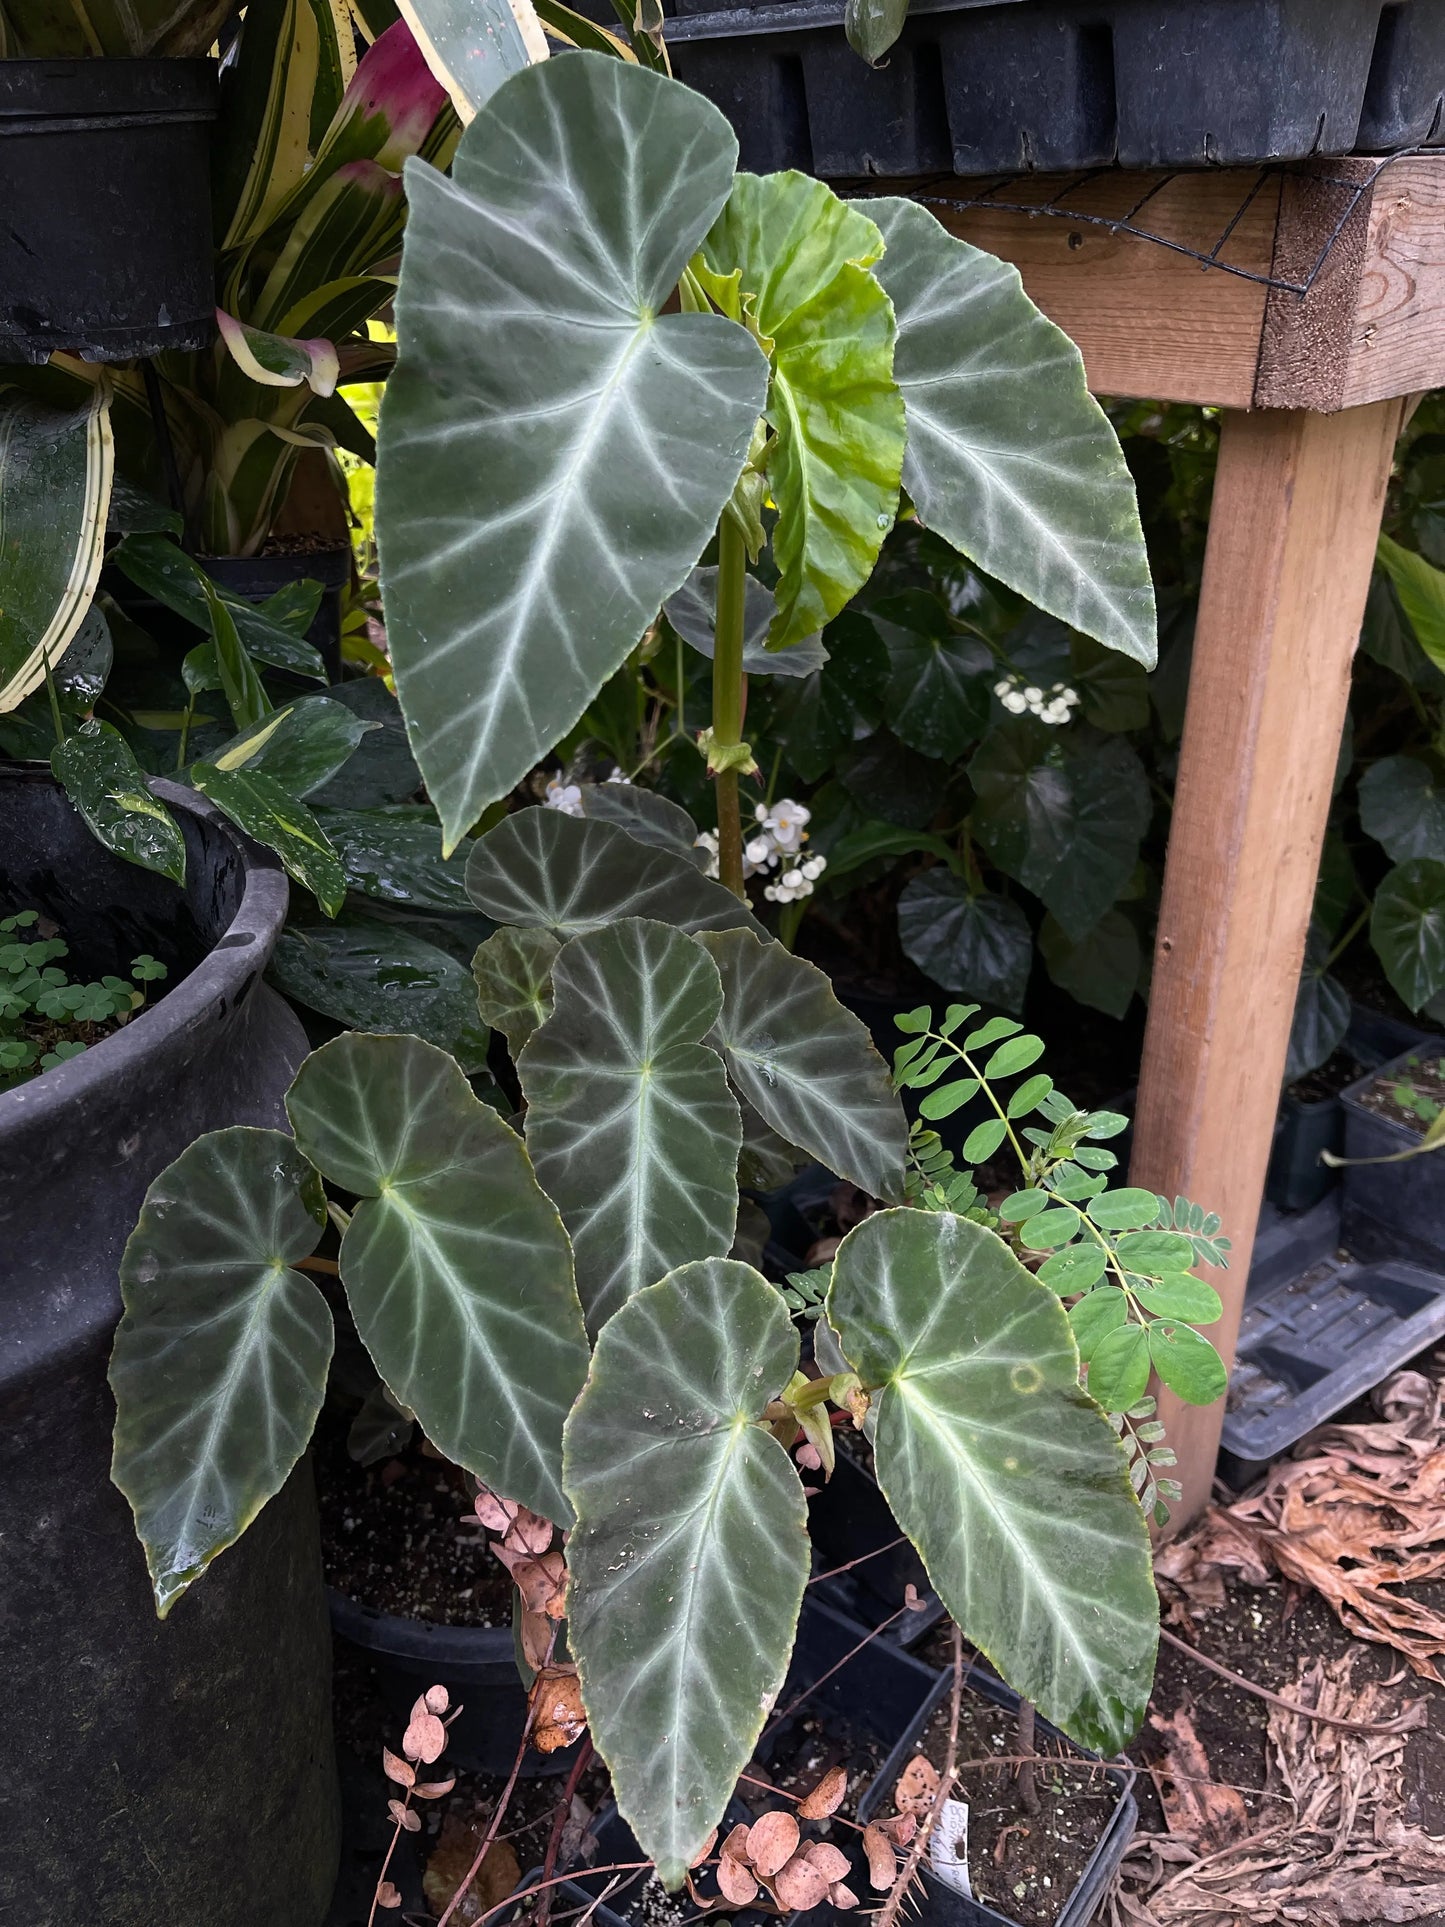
(759, 851)
(707, 840)
(785, 823)
(1014, 702)
(1002, 687)
(617, 776)
(566, 797)
(1033, 694)
(814, 867)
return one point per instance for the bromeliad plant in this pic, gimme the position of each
(555, 1299)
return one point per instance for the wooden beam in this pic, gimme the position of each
(1297, 504)
(1153, 323)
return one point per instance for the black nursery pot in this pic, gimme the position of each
(179, 1771)
(1391, 1209)
(940, 1905)
(476, 1664)
(849, 1519)
(105, 244)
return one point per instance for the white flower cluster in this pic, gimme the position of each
(567, 797)
(777, 845)
(1050, 705)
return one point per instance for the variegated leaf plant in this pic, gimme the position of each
(614, 353)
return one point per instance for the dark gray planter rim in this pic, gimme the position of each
(222, 974)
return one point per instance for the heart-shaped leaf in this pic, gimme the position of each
(1402, 805)
(455, 1263)
(264, 809)
(220, 1361)
(805, 1064)
(690, 1552)
(1407, 928)
(108, 787)
(1102, 968)
(1009, 456)
(979, 945)
(301, 746)
(1066, 823)
(999, 1467)
(374, 976)
(630, 1122)
(554, 449)
(513, 972)
(937, 699)
(693, 614)
(645, 815)
(803, 258)
(569, 874)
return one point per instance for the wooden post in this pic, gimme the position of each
(1297, 505)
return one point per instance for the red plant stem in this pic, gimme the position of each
(381, 1877)
(557, 1880)
(862, 1559)
(549, 1864)
(822, 1679)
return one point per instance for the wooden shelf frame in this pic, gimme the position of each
(1313, 389)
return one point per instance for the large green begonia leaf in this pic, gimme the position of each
(569, 875)
(807, 1065)
(455, 1262)
(554, 450)
(693, 614)
(803, 259)
(1402, 805)
(974, 943)
(220, 1360)
(690, 1553)
(938, 693)
(646, 816)
(1009, 457)
(999, 1467)
(513, 972)
(1407, 929)
(630, 1123)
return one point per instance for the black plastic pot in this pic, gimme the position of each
(476, 1664)
(179, 1771)
(1391, 1208)
(849, 1518)
(1017, 85)
(940, 1905)
(1320, 1327)
(105, 245)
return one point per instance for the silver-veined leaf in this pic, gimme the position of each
(1009, 457)
(999, 1467)
(455, 1264)
(803, 257)
(807, 1065)
(693, 614)
(265, 809)
(690, 1552)
(569, 874)
(472, 46)
(646, 816)
(55, 477)
(630, 1122)
(219, 1367)
(554, 450)
(109, 788)
(513, 972)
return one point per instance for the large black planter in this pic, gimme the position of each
(979, 89)
(105, 244)
(162, 1772)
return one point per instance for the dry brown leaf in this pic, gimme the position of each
(437, 1700)
(917, 1786)
(800, 1885)
(735, 1847)
(425, 1738)
(900, 1827)
(537, 1634)
(1205, 1814)
(704, 1850)
(495, 1514)
(387, 1895)
(842, 1897)
(831, 1861)
(404, 1816)
(560, 1716)
(450, 1861)
(735, 1881)
(539, 1579)
(529, 1532)
(772, 1842)
(433, 1789)
(827, 1796)
(882, 1860)
(396, 1769)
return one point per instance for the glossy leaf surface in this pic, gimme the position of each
(395, 853)
(630, 1122)
(513, 972)
(807, 1065)
(977, 944)
(1000, 1468)
(1009, 457)
(108, 787)
(220, 1360)
(693, 614)
(569, 875)
(263, 808)
(554, 450)
(455, 1264)
(690, 1552)
(301, 746)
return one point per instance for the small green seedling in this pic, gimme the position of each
(44, 1018)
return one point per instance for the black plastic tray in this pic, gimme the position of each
(979, 89)
(941, 1906)
(849, 1517)
(1392, 1207)
(1320, 1327)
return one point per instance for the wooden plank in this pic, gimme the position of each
(1297, 504)
(1150, 321)
(1397, 343)
(1321, 243)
